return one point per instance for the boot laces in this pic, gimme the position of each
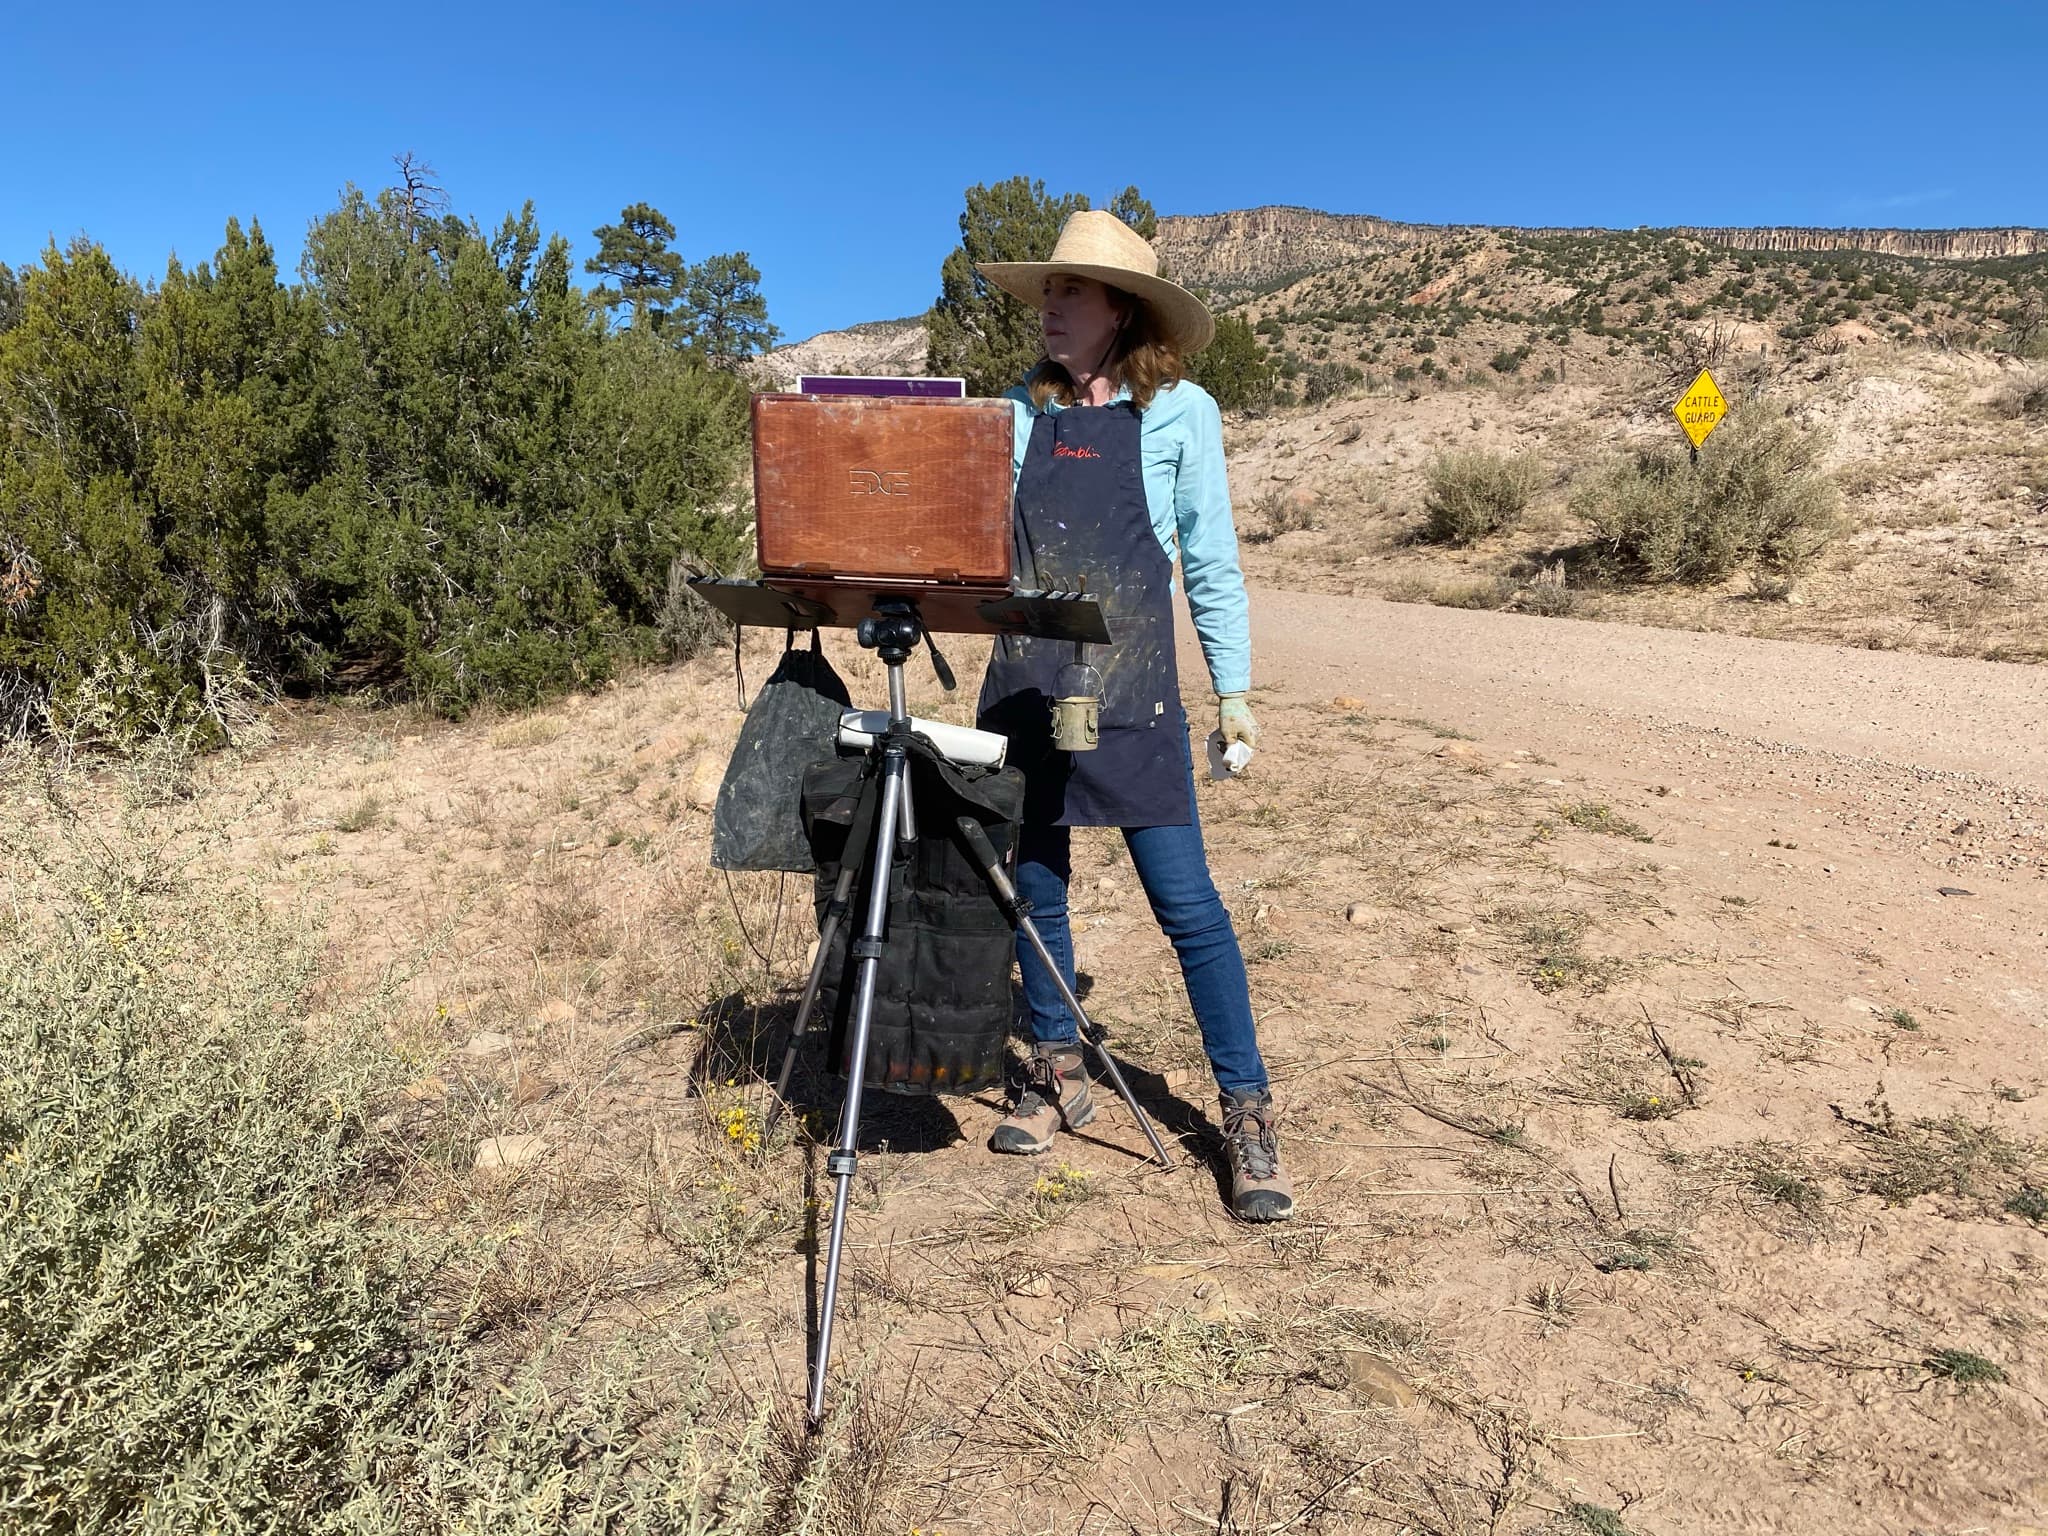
(1041, 1086)
(1249, 1125)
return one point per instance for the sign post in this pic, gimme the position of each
(1699, 410)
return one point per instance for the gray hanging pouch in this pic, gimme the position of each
(792, 723)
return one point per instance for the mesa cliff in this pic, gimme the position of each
(1256, 247)
(1935, 244)
(1250, 247)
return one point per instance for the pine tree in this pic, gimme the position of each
(979, 332)
(1235, 367)
(10, 297)
(427, 466)
(725, 315)
(223, 379)
(635, 251)
(87, 582)
(1130, 206)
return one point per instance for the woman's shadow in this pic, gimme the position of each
(1174, 1117)
(745, 1039)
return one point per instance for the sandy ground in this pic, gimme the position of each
(1658, 1019)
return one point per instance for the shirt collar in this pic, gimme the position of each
(1123, 393)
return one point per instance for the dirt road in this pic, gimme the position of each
(1942, 758)
(1566, 684)
(1876, 790)
(1878, 825)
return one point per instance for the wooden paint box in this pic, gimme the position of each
(852, 488)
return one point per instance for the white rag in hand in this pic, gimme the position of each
(1227, 762)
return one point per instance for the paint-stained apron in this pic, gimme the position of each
(1082, 523)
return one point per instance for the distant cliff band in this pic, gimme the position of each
(1254, 245)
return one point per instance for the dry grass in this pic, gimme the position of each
(1954, 1157)
(1592, 816)
(2024, 394)
(1550, 942)
(528, 731)
(1467, 1077)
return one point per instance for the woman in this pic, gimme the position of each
(1120, 463)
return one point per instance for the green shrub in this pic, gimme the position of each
(1473, 493)
(1757, 500)
(1235, 368)
(201, 1327)
(1964, 1368)
(427, 466)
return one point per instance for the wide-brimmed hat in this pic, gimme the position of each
(1100, 245)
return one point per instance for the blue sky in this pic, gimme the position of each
(833, 142)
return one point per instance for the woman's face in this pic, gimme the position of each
(1078, 319)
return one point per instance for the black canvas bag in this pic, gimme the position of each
(942, 991)
(793, 723)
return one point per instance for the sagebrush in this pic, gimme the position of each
(1757, 500)
(2024, 394)
(1472, 494)
(204, 1323)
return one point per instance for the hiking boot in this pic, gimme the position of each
(1056, 1093)
(1259, 1187)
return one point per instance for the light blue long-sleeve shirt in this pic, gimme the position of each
(1180, 436)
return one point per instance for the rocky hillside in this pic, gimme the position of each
(1348, 301)
(1476, 307)
(886, 348)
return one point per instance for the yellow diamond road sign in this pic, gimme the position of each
(1701, 408)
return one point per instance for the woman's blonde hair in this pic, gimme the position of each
(1142, 360)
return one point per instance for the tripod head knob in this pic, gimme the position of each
(892, 629)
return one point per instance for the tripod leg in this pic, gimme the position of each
(1093, 1033)
(867, 950)
(833, 915)
(857, 844)
(1020, 919)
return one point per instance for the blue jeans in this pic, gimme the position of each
(1175, 874)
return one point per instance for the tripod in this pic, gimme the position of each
(893, 632)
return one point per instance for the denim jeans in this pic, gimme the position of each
(1175, 874)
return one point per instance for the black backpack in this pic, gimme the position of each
(942, 994)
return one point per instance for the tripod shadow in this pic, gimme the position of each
(1177, 1121)
(889, 1122)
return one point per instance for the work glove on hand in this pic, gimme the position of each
(1234, 720)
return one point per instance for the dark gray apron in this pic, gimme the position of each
(1082, 523)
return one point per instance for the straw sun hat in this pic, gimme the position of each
(1100, 245)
